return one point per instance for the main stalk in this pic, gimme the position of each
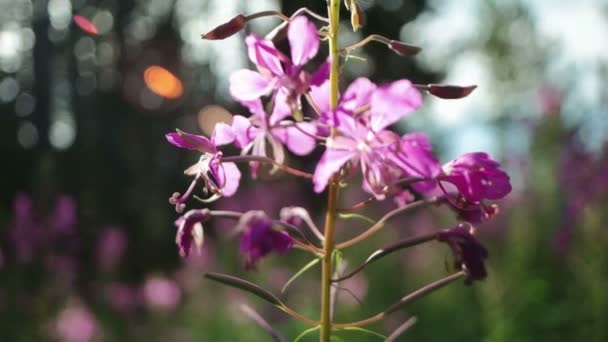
(333, 11)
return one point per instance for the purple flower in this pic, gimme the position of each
(190, 230)
(414, 156)
(64, 217)
(275, 70)
(220, 178)
(362, 138)
(477, 176)
(254, 134)
(258, 238)
(469, 253)
(111, 247)
(76, 324)
(161, 293)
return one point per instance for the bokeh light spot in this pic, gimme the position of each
(27, 135)
(163, 83)
(210, 115)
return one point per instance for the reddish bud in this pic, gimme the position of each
(227, 29)
(85, 24)
(403, 49)
(450, 91)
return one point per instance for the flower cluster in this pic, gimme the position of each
(294, 106)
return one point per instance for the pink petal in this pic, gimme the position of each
(303, 40)
(232, 179)
(85, 24)
(191, 142)
(281, 108)
(392, 102)
(222, 134)
(297, 141)
(244, 132)
(263, 54)
(248, 85)
(320, 96)
(321, 74)
(330, 163)
(358, 94)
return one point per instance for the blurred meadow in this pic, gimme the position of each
(87, 237)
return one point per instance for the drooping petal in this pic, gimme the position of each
(297, 139)
(303, 40)
(248, 85)
(264, 54)
(391, 102)
(330, 163)
(230, 179)
(469, 253)
(191, 142)
(190, 230)
(223, 134)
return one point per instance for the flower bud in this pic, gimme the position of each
(403, 49)
(227, 29)
(450, 91)
(357, 16)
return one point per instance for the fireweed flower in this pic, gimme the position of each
(477, 176)
(190, 232)
(275, 70)
(254, 134)
(469, 253)
(362, 137)
(220, 178)
(259, 238)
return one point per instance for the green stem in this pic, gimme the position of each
(333, 11)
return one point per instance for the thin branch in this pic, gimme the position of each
(260, 159)
(381, 223)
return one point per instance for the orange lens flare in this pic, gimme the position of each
(85, 24)
(163, 83)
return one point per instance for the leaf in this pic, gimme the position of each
(259, 320)
(357, 216)
(306, 332)
(299, 273)
(245, 286)
(366, 331)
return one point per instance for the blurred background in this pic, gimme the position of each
(87, 247)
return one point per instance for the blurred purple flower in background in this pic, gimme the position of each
(76, 324)
(161, 293)
(111, 247)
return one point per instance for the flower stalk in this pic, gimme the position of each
(333, 11)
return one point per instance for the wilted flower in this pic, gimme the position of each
(190, 230)
(258, 238)
(220, 178)
(469, 253)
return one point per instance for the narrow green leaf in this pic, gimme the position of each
(245, 286)
(366, 331)
(306, 332)
(357, 216)
(299, 273)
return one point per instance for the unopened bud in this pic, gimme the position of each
(227, 29)
(403, 49)
(450, 91)
(357, 16)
